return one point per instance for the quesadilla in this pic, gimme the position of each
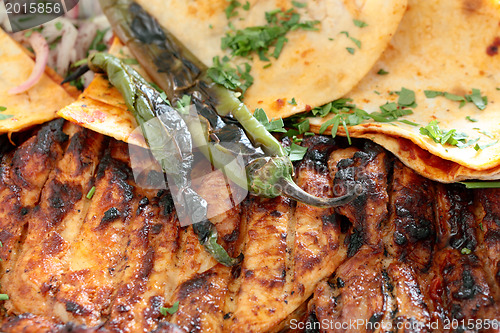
(313, 68)
(445, 52)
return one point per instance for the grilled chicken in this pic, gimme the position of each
(407, 254)
(370, 169)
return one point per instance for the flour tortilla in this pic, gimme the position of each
(35, 106)
(444, 45)
(312, 68)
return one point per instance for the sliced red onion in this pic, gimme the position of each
(41, 48)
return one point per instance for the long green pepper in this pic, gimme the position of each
(169, 140)
(178, 72)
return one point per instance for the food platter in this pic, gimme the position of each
(153, 201)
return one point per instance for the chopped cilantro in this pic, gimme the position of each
(382, 72)
(91, 193)
(4, 297)
(271, 126)
(303, 126)
(231, 8)
(293, 101)
(406, 97)
(451, 137)
(350, 50)
(475, 97)
(465, 251)
(296, 152)
(299, 4)
(359, 23)
(97, 43)
(223, 74)
(262, 40)
(472, 120)
(5, 116)
(356, 41)
(210, 26)
(59, 25)
(482, 147)
(171, 310)
(481, 226)
(3, 108)
(475, 185)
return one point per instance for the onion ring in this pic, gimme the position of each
(41, 48)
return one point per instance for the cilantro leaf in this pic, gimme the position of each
(359, 23)
(5, 116)
(297, 152)
(406, 97)
(382, 72)
(3, 108)
(171, 310)
(272, 126)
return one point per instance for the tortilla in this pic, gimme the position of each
(314, 67)
(441, 45)
(37, 105)
(102, 109)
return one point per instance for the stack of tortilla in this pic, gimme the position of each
(440, 45)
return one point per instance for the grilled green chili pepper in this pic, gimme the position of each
(169, 140)
(178, 72)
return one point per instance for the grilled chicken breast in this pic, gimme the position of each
(87, 246)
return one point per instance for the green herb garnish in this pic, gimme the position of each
(296, 152)
(173, 309)
(450, 137)
(472, 120)
(477, 185)
(273, 125)
(3, 108)
(91, 193)
(59, 25)
(293, 101)
(382, 72)
(465, 251)
(475, 97)
(299, 4)
(4, 297)
(350, 50)
(359, 23)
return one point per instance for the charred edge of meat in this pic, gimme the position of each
(354, 241)
(320, 148)
(45, 141)
(462, 222)
(53, 131)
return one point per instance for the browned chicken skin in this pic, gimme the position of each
(408, 255)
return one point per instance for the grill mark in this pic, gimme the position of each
(369, 168)
(409, 232)
(44, 246)
(21, 193)
(201, 301)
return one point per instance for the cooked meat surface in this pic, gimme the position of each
(89, 246)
